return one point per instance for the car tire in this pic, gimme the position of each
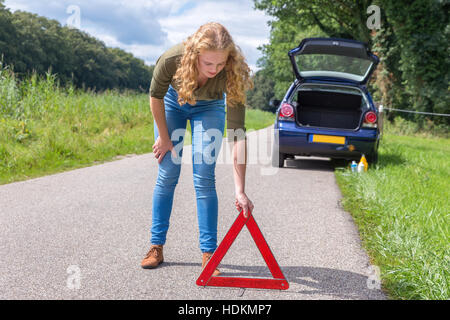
(278, 159)
(277, 156)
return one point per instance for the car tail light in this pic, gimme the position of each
(370, 120)
(286, 112)
(370, 117)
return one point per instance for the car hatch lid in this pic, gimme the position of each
(333, 58)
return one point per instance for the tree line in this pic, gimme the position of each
(412, 42)
(32, 43)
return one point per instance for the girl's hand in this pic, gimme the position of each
(161, 147)
(243, 202)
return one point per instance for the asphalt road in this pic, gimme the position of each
(82, 234)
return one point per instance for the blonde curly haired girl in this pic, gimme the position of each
(213, 36)
(194, 81)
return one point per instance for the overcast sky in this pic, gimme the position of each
(148, 27)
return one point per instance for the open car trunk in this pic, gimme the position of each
(329, 109)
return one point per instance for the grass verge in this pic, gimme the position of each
(401, 207)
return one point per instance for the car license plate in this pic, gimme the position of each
(326, 139)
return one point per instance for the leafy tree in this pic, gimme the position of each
(418, 33)
(275, 60)
(299, 19)
(31, 43)
(342, 19)
(259, 97)
(413, 44)
(7, 32)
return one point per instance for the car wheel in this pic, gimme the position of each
(278, 159)
(281, 158)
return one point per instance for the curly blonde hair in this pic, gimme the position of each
(212, 36)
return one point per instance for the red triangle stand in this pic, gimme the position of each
(207, 279)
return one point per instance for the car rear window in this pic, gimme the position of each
(332, 65)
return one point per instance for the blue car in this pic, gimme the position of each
(328, 111)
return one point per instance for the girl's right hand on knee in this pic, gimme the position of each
(161, 147)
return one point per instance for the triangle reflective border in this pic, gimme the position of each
(207, 279)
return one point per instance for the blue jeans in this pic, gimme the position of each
(207, 120)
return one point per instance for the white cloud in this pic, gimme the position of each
(148, 27)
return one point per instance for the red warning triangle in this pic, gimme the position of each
(207, 279)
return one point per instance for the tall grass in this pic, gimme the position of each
(402, 209)
(403, 127)
(46, 128)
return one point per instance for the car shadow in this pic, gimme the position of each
(313, 280)
(328, 164)
(307, 163)
(385, 160)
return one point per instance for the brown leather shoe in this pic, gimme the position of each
(153, 258)
(206, 257)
